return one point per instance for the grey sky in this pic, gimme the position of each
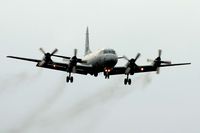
(34, 100)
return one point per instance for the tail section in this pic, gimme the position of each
(87, 47)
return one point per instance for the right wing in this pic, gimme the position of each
(26, 59)
(80, 69)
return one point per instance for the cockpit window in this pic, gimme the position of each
(109, 51)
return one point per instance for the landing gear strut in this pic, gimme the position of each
(127, 80)
(107, 76)
(69, 78)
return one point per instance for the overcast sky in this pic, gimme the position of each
(36, 100)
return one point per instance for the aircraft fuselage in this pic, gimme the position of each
(104, 58)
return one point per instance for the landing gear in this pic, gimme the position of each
(107, 72)
(69, 78)
(95, 74)
(107, 76)
(127, 80)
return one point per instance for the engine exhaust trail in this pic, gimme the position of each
(114, 91)
(110, 93)
(44, 106)
(18, 79)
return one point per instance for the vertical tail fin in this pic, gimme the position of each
(87, 47)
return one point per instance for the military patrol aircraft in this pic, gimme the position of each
(93, 63)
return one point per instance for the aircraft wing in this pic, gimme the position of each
(142, 69)
(150, 68)
(64, 57)
(80, 69)
(26, 59)
(175, 64)
(139, 69)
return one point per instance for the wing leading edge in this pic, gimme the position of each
(26, 59)
(142, 69)
(80, 69)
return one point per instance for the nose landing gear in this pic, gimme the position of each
(107, 76)
(107, 72)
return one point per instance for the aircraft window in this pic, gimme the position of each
(112, 51)
(109, 52)
(105, 51)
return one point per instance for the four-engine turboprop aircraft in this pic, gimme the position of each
(93, 63)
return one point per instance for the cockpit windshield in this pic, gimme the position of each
(109, 51)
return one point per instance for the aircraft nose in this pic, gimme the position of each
(110, 61)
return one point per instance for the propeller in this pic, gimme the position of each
(47, 56)
(75, 52)
(52, 53)
(159, 52)
(75, 56)
(131, 62)
(158, 70)
(157, 62)
(74, 60)
(42, 50)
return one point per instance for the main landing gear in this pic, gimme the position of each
(69, 78)
(127, 80)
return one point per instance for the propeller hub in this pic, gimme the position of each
(47, 55)
(132, 61)
(158, 61)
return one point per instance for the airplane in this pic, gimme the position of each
(101, 61)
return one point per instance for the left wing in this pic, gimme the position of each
(142, 69)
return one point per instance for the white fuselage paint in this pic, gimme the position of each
(101, 58)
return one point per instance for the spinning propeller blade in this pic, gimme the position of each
(54, 51)
(42, 50)
(137, 56)
(75, 52)
(159, 52)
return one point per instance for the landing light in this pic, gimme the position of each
(107, 70)
(142, 69)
